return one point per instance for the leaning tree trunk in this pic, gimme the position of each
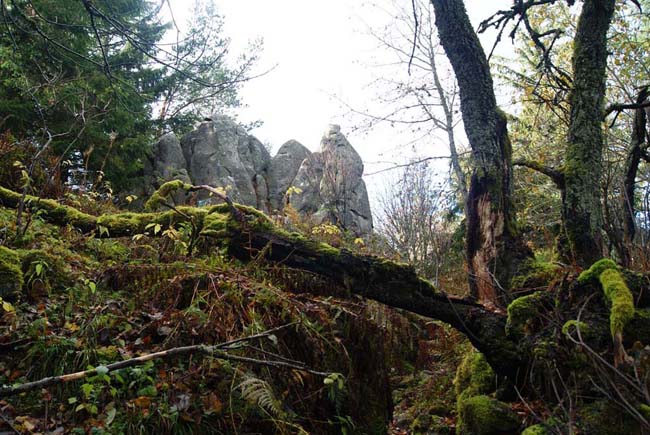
(635, 153)
(494, 250)
(584, 154)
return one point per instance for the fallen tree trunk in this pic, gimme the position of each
(251, 234)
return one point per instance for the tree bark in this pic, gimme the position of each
(248, 234)
(632, 162)
(494, 250)
(584, 154)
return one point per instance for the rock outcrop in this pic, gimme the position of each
(331, 187)
(327, 185)
(284, 167)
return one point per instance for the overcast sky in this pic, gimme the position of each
(322, 55)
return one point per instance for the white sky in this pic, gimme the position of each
(321, 50)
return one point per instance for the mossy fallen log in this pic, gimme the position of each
(248, 233)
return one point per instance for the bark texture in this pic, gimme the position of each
(634, 156)
(494, 251)
(584, 155)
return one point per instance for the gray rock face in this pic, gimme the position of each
(219, 152)
(332, 187)
(169, 162)
(283, 170)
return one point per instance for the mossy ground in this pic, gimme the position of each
(107, 300)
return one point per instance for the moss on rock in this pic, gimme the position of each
(474, 376)
(11, 276)
(520, 312)
(538, 429)
(483, 415)
(52, 272)
(537, 274)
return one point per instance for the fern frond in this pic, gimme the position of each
(258, 392)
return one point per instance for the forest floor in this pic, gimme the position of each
(85, 303)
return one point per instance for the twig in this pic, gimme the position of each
(212, 351)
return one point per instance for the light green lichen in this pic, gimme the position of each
(596, 269)
(159, 197)
(538, 429)
(645, 410)
(572, 325)
(621, 299)
(616, 291)
(218, 224)
(125, 223)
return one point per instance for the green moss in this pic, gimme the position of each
(218, 224)
(159, 196)
(537, 274)
(126, 223)
(571, 325)
(9, 255)
(474, 375)
(53, 272)
(11, 276)
(483, 415)
(521, 311)
(108, 250)
(596, 269)
(645, 410)
(538, 429)
(620, 296)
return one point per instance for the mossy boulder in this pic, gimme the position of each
(43, 271)
(484, 415)
(11, 276)
(538, 429)
(535, 274)
(522, 311)
(474, 376)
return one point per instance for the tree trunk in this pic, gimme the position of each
(494, 251)
(583, 161)
(632, 161)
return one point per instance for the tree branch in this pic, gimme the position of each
(215, 351)
(557, 176)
